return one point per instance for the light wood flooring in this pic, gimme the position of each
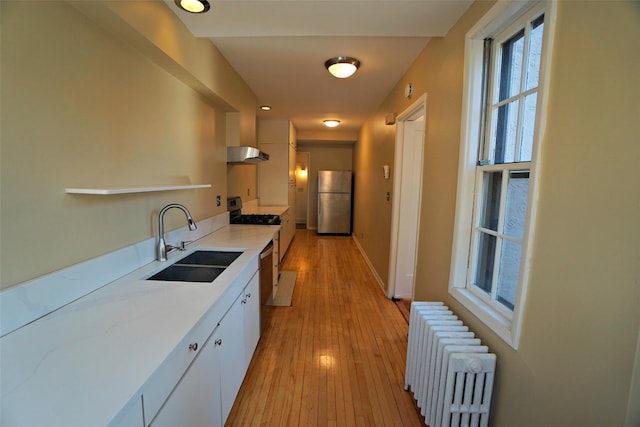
(336, 357)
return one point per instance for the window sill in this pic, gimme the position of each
(498, 323)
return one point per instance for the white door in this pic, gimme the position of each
(409, 208)
(406, 204)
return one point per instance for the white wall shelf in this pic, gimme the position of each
(129, 190)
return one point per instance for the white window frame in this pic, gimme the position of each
(502, 15)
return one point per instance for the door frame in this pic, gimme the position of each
(416, 110)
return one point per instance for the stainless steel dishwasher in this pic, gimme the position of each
(266, 284)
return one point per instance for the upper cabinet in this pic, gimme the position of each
(277, 176)
(276, 131)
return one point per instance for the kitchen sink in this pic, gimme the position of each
(181, 273)
(212, 258)
(200, 266)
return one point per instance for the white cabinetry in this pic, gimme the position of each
(251, 315)
(276, 260)
(287, 232)
(273, 175)
(131, 415)
(239, 335)
(169, 373)
(231, 355)
(277, 176)
(206, 391)
(196, 399)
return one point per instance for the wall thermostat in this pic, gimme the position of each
(408, 91)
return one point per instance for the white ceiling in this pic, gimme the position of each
(279, 49)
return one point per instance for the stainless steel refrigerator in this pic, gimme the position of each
(334, 202)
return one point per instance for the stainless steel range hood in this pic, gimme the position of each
(245, 155)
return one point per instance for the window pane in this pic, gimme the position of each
(484, 266)
(508, 275)
(490, 202)
(528, 126)
(511, 66)
(535, 50)
(516, 208)
(505, 133)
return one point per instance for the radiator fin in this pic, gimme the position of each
(449, 371)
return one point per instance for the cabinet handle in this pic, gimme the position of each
(193, 347)
(244, 301)
(249, 295)
(218, 342)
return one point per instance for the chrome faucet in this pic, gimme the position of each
(162, 246)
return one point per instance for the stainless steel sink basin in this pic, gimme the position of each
(200, 266)
(181, 273)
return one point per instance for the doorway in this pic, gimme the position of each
(407, 188)
(302, 189)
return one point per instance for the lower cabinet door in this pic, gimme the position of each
(231, 355)
(206, 392)
(195, 401)
(251, 319)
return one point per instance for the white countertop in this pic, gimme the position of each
(81, 364)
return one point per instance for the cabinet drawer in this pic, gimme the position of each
(159, 386)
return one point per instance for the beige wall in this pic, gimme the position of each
(323, 155)
(83, 107)
(156, 31)
(372, 210)
(574, 366)
(242, 180)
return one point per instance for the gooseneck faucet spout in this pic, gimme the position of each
(162, 246)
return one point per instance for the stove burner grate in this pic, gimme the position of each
(257, 219)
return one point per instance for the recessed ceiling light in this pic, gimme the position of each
(265, 107)
(331, 123)
(342, 66)
(193, 6)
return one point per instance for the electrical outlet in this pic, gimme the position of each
(218, 200)
(248, 191)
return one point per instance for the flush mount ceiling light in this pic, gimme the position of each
(265, 107)
(331, 123)
(342, 66)
(193, 6)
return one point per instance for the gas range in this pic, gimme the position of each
(234, 206)
(255, 219)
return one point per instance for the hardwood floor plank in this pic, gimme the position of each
(335, 357)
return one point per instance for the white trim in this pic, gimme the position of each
(417, 109)
(31, 300)
(498, 16)
(369, 263)
(538, 137)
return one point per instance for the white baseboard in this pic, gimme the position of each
(373, 270)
